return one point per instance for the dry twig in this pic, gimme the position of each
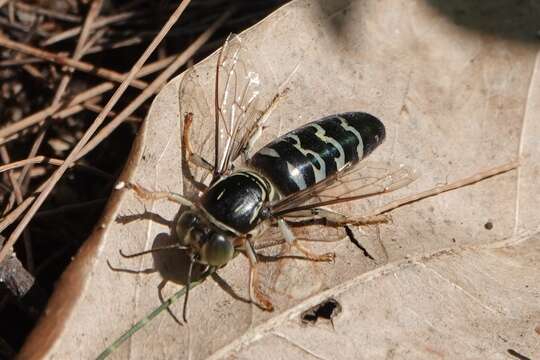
(60, 111)
(154, 86)
(67, 61)
(444, 188)
(49, 185)
(97, 24)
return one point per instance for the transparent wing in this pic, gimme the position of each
(233, 106)
(237, 90)
(194, 97)
(361, 181)
(225, 108)
(309, 233)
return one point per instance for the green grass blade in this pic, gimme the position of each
(140, 324)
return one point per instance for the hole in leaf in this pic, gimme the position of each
(327, 310)
(518, 355)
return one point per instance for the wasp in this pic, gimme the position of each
(292, 179)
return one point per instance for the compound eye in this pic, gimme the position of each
(187, 221)
(218, 250)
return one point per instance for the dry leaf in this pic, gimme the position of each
(454, 276)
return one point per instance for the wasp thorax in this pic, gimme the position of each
(209, 245)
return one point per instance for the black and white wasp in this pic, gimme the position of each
(242, 193)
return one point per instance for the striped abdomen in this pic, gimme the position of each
(308, 155)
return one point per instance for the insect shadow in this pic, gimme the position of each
(171, 263)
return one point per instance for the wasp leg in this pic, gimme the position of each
(161, 286)
(291, 240)
(131, 271)
(254, 288)
(258, 127)
(188, 156)
(277, 242)
(146, 194)
(320, 216)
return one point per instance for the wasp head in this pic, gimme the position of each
(208, 244)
